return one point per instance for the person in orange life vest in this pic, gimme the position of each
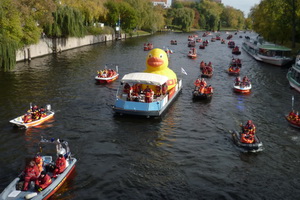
(249, 127)
(293, 116)
(247, 138)
(27, 118)
(209, 90)
(39, 162)
(148, 94)
(43, 181)
(203, 83)
(197, 83)
(60, 165)
(31, 173)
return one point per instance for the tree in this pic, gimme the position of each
(183, 17)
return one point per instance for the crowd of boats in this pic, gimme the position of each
(149, 93)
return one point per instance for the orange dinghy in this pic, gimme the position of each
(33, 117)
(107, 75)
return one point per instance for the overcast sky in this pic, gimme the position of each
(243, 5)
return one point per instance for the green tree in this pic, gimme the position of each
(183, 17)
(68, 22)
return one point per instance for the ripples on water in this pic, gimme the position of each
(187, 154)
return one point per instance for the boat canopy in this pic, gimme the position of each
(144, 78)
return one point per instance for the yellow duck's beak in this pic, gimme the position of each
(155, 62)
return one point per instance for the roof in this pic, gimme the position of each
(145, 78)
(274, 47)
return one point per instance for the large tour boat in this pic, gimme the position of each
(14, 191)
(293, 75)
(131, 99)
(267, 52)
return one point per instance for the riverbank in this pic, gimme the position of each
(47, 46)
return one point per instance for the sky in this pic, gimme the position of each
(243, 5)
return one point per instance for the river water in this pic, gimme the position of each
(186, 154)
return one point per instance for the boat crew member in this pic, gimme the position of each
(39, 162)
(148, 94)
(158, 90)
(31, 173)
(43, 181)
(60, 165)
(249, 127)
(237, 80)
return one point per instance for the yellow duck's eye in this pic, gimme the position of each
(149, 55)
(160, 55)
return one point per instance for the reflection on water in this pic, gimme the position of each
(186, 153)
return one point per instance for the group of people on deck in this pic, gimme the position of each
(135, 92)
(206, 68)
(201, 86)
(245, 82)
(248, 132)
(34, 113)
(105, 73)
(34, 171)
(294, 117)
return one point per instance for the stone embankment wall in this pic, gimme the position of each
(48, 46)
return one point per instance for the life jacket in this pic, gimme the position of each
(39, 162)
(247, 138)
(43, 182)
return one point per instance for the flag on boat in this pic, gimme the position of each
(183, 71)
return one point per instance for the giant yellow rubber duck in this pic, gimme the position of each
(157, 63)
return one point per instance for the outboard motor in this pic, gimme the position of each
(48, 107)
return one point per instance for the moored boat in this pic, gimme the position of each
(33, 117)
(107, 75)
(14, 191)
(294, 74)
(134, 101)
(267, 52)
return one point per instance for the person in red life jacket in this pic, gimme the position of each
(202, 64)
(209, 63)
(148, 94)
(60, 165)
(158, 90)
(31, 173)
(293, 116)
(247, 138)
(197, 83)
(237, 80)
(27, 118)
(43, 181)
(39, 162)
(249, 128)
